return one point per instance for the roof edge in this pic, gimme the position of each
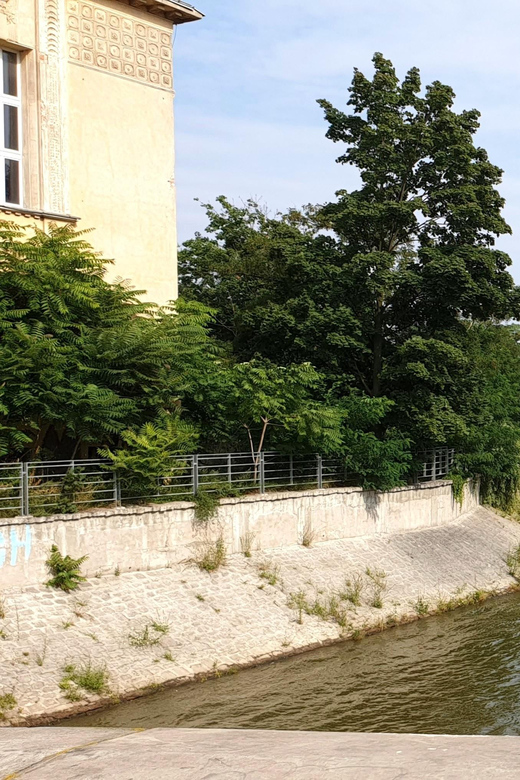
(177, 11)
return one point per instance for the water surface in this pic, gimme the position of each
(458, 673)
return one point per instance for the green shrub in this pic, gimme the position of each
(206, 506)
(65, 570)
(458, 483)
(213, 555)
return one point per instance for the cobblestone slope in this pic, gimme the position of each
(150, 628)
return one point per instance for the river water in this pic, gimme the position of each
(457, 673)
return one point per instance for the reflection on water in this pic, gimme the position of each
(455, 674)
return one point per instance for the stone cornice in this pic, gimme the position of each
(176, 12)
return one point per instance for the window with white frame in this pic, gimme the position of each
(11, 131)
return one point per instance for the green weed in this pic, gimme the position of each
(421, 606)
(149, 635)
(65, 570)
(212, 555)
(353, 589)
(379, 585)
(513, 562)
(246, 543)
(86, 678)
(269, 572)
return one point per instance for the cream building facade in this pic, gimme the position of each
(87, 133)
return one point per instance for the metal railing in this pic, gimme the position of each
(58, 487)
(437, 463)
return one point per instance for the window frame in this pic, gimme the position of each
(11, 154)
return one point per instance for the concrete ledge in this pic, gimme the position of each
(197, 754)
(158, 536)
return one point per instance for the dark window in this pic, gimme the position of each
(12, 181)
(10, 62)
(11, 127)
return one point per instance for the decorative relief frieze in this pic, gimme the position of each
(53, 141)
(102, 38)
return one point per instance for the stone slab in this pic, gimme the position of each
(178, 754)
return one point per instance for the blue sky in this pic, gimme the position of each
(248, 75)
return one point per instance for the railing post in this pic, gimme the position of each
(434, 465)
(262, 473)
(195, 474)
(117, 489)
(25, 489)
(229, 469)
(319, 470)
(291, 470)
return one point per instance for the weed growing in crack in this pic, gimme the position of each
(7, 702)
(149, 635)
(353, 590)
(298, 601)
(513, 562)
(85, 678)
(77, 607)
(212, 555)
(328, 608)
(40, 657)
(269, 572)
(309, 535)
(65, 570)
(246, 543)
(379, 585)
(421, 606)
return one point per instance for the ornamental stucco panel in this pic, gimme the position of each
(53, 107)
(114, 42)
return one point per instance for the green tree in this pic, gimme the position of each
(146, 461)
(421, 229)
(267, 399)
(83, 360)
(384, 301)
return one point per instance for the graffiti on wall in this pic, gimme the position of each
(15, 545)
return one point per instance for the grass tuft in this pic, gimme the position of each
(269, 572)
(378, 581)
(353, 590)
(86, 678)
(149, 635)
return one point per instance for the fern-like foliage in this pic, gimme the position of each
(83, 360)
(65, 570)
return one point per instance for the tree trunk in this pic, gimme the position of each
(377, 365)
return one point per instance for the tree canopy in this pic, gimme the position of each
(394, 291)
(371, 326)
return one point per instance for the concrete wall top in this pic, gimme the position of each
(158, 536)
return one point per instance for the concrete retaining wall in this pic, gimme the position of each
(153, 537)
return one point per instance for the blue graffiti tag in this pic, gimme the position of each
(16, 544)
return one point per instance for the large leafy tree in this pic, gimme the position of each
(83, 360)
(421, 228)
(379, 289)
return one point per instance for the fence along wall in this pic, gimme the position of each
(141, 538)
(64, 486)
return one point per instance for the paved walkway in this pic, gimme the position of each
(177, 754)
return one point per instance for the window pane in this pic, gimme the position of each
(10, 73)
(12, 181)
(11, 127)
